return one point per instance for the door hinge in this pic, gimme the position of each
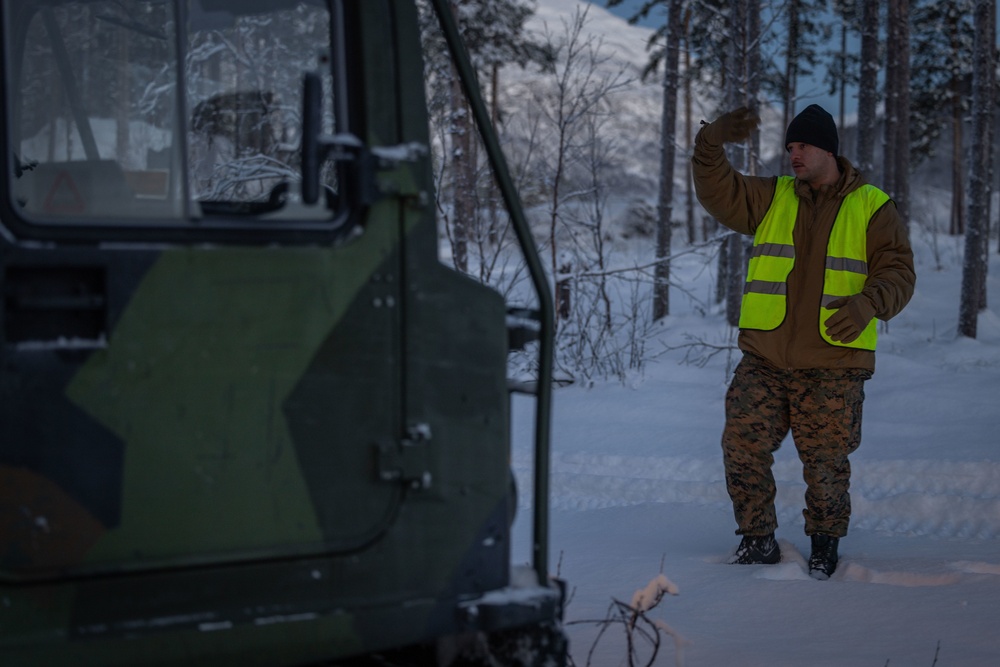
(405, 462)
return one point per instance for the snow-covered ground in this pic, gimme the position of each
(637, 482)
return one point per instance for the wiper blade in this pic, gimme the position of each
(275, 201)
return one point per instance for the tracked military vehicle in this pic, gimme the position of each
(248, 417)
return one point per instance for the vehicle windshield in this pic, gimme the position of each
(100, 128)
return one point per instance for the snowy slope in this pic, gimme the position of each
(632, 130)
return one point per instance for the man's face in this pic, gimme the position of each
(810, 164)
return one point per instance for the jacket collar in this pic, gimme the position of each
(849, 181)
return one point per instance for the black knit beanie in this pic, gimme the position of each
(814, 126)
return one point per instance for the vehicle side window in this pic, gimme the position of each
(94, 112)
(102, 135)
(244, 98)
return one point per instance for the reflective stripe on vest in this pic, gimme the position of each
(765, 294)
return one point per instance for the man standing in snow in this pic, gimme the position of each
(830, 254)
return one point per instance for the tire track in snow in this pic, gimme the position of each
(942, 498)
(938, 498)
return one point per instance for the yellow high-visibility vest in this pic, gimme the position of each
(765, 295)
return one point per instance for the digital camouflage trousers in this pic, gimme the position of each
(822, 409)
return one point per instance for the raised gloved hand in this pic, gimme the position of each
(853, 313)
(731, 127)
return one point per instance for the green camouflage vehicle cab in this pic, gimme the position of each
(248, 418)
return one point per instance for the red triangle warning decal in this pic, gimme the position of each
(64, 197)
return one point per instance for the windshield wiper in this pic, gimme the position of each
(275, 201)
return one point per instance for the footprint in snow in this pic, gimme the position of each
(793, 567)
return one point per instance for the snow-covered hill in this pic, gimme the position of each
(631, 125)
(631, 128)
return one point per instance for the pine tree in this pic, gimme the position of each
(942, 87)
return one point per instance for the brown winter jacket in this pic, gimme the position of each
(740, 202)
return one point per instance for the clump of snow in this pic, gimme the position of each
(648, 597)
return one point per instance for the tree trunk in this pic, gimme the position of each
(668, 136)
(993, 122)
(722, 272)
(791, 72)
(494, 196)
(890, 129)
(897, 122)
(463, 207)
(868, 90)
(843, 72)
(957, 222)
(737, 93)
(989, 125)
(901, 151)
(977, 229)
(891, 72)
(752, 71)
(688, 135)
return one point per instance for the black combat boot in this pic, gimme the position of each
(757, 550)
(823, 560)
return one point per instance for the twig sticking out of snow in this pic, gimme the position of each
(638, 626)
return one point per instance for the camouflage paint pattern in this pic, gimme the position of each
(283, 454)
(822, 409)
